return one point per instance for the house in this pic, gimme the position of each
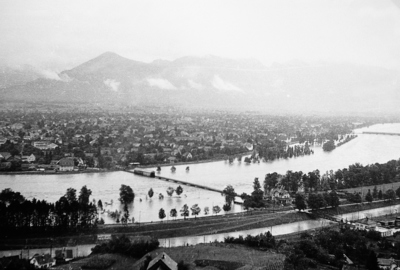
(188, 155)
(41, 145)
(29, 159)
(365, 224)
(162, 262)
(3, 141)
(4, 155)
(66, 164)
(279, 195)
(388, 264)
(172, 159)
(42, 261)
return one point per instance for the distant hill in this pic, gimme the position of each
(213, 81)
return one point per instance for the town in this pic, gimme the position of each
(65, 138)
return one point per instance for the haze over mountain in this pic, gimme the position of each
(213, 81)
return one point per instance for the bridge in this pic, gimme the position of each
(181, 182)
(381, 133)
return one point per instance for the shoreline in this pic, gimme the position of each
(192, 162)
(52, 172)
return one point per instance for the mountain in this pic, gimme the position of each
(17, 75)
(213, 81)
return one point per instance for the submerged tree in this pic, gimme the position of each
(161, 214)
(173, 213)
(195, 210)
(151, 192)
(185, 211)
(230, 194)
(216, 209)
(179, 190)
(126, 194)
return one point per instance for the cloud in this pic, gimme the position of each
(52, 75)
(161, 83)
(195, 85)
(224, 86)
(113, 84)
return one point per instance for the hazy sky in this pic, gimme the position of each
(61, 34)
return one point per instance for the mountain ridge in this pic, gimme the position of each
(205, 81)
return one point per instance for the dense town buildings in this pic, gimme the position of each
(64, 138)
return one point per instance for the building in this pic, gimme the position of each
(365, 224)
(66, 164)
(162, 262)
(42, 261)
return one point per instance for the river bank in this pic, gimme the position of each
(52, 172)
(194, 161)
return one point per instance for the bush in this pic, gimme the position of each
(98, 263)
(122, 245)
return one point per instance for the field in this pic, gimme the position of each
(364, 189)
(243, 221)
(218, 253)
(121, 262)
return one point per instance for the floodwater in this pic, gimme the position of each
(365, 149)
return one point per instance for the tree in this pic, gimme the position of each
(216, 209)
(270, 181)
(84, 195)
(150, 193)
(195, 210)
(161, 214)
(185, 211)
(369, 197)
(316, 201)
(71, 195)
(380, 195)
(329, 146)
(375, 193)
(257, 195)
(230, 194)
(334, 199)
(179, 190)
(372, 261)
(300, 202)
(390, 195)
(126, 194)
(100, 205)
(206, 210)
(226, 207)
(170, 191)
(173, 213)
(398, 192)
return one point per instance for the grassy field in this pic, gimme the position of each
(343, 209)
(122, 262)
(209, 226)
(253, 259)
(364, 189)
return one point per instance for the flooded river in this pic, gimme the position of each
(365, 149)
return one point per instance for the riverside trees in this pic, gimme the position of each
(21, 216)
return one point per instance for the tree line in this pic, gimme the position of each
(70, 213)
(355, 175)
(271, 150)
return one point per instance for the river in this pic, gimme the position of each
(365, 149)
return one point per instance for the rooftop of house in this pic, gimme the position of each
(164, 260)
